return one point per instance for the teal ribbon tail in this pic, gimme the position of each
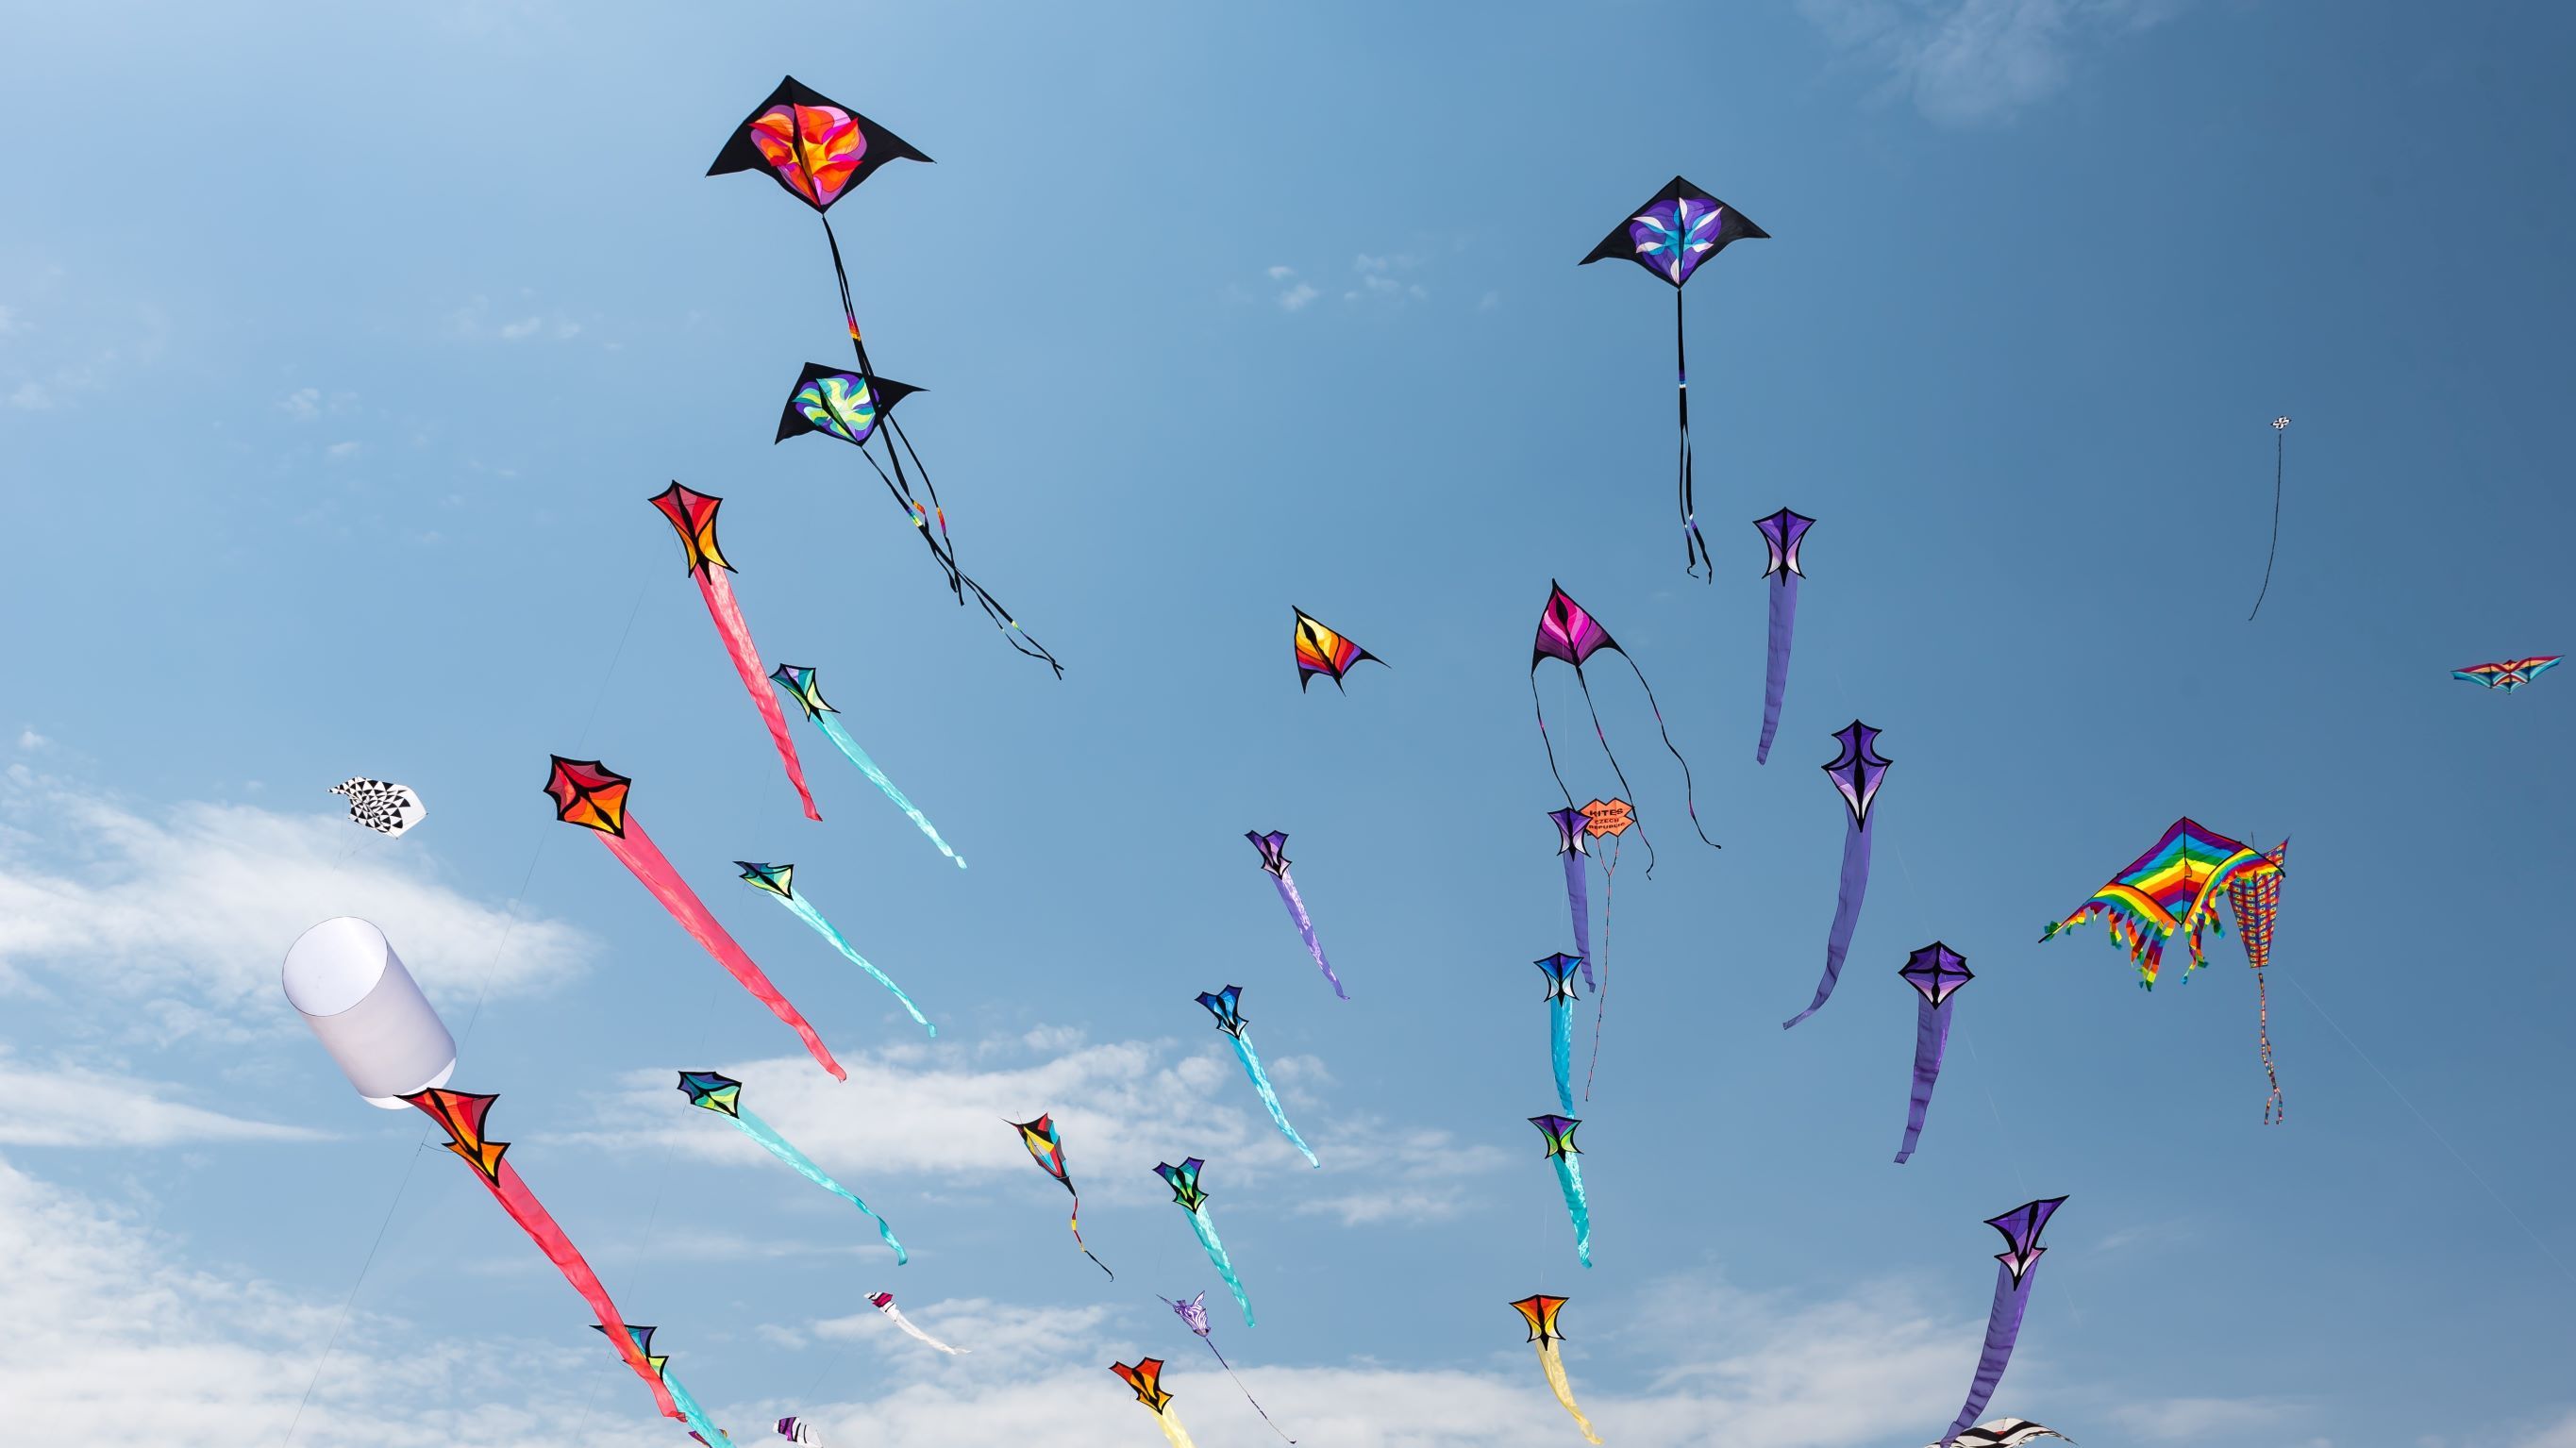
(850, 748)
(1270, 1098)
(1569, 1175)
(1224, 1265)
(694, 1415)
(806, 912)
(1560, 1051)
(785, 1150)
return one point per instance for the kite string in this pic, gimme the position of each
(1601, 998)
(1689, 793)
(2280, 441)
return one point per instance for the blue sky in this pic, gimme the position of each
(340, 351)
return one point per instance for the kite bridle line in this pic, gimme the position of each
(2280, 450)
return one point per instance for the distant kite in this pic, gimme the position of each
(1561, 1150)
(2005, 1433)
(1781, 533)
(800, 1432)
(1566, 632)
(1936, 972)
(1857, 772)
(884, 1302)
(693, 517)
(1274, 862)
(1322, 651)
(389, 808)
(2020, 1228)
(722, 1095)
(1193, 1314)
(801, 685)
(2504, 676)
(1046, 1147)
(1539, 1312)
(1559, 970)
(779, 883)
(2280, 447)
(1189, 1197)
(691, 1412)
(1227, 1006)
(1146, 1378)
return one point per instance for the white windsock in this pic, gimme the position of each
(343, 977)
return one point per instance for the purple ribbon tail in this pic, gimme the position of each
(1306, 928)
(1855, 885)
(1578, 898)
(1775, 677)
(2003, 1325)
(1931, 1035)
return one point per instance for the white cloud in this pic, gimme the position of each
(1967, 61)
(2561, 1434)
(29, 739)
(303, 404)
(1295, 298)
(190, 909)
(2174, 1420)
(341, 452)
(31, 397)
(524, 327)
(71, 1106)
(1277, 274)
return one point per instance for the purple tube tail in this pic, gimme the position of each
(1578, 897)
(1306, 928)
(1775, 676)
(2003, 1325)
(1855, 885)
(1931, 1035)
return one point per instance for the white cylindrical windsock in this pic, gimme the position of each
(343, 977)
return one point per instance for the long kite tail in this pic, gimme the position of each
(1775, 672)
(1694, 547)
(1206, 1229)
(1306, 928)
(717, 588)
(1931, 1035)
(916, 1333)
(635, 850)
(1569, 1175)
(1688, 800)
(1847, 899)
(850, 750)
(1269, 1098)
(805, 911)
(1544, 742)
(2274, 1112)
(531, 1216)
(786, 1151)
(1247, 1392)
(1552, 1363)
(1172, 1429)
(1076, 1222)
(1578, 900)
(1601, 998)
(2279, 451)
(2003, 1325)
(1560, 1050)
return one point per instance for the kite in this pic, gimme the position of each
(1568, 633)
(1857, 773)
(1193, 1313)
(1559, 970)
(1322, 651)
(1046, 1147)
(780, 881)
(1559, 1131)
(797, 1430)
(1146, 1377)
(1573, 846)
(1781, 533)
(701, 1427)
(1274, 859)
(1936, 972)
(801, 685)
(1540, 1311)
(1227, 1006)
(2506, 675)
(2020, 1228)
(2173, 889)
(460, 1114)
(1184, 1182)
(722, 1095)
(2005, 1433)
(1612, 818)
(1670, 236)
(592, 795)
(884, 1302)
(2280, 447)
(693, 517)
(818, 151)
(384, 806)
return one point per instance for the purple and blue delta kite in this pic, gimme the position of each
(2020, 1228)
(1569, 633)
(1573, 845)
(1781, 533)
(1274, 859)
(1936, 972)
(1559, 970)
(1857, 773)
(1559, 1131)
(1670, 236)
(1189, 1197)
(1227, 1006)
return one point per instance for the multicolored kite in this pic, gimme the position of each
(2280, 447)
(384, 806)
(693, 517)
(802, 686)
(2005, 1433)
(2507, 675)
(818, 151)
(779, 882)
(1936, 972)
(592, 795)
(884, 1302)
(1539, 1312)
(460, 1114)
(1559, 1132)
(1670, 236)
(701, 1427)
(1573, 846)
(722, 1095)
(1274, 860)
(798, 1431)
(1227, 1006)
(1146, 1377)
(1781, 533)
(1559, 970)
(1046, 1147)
(1322, 651)
(1194, 1314)
(1568, 633)
(1187, 1195)
(2020, 1228)
(2173, 889)
(1857, 772)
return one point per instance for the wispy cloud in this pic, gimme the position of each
(73, 1106)
(303, 404)
(2197, 1420)
(475, 321)
(1963, 62)
(2561, 1434)
(1385, 278)
(65, 342)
